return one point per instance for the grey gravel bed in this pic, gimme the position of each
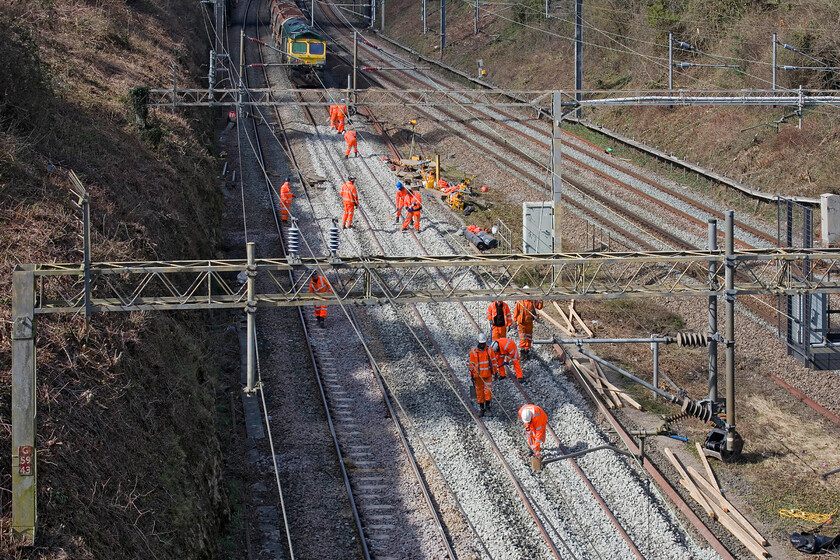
(579, 521)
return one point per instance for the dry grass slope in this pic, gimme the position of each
(130, 464)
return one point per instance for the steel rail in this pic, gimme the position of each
(309, 345)
(262, 393)
(512, 477)
(377, 374)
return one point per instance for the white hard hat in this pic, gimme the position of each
(482, 338)
(342, 100)
(525, 287)
(495, 346)
(526, 415)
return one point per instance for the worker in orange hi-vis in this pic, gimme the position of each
(535, 421)
(318, 285)
(482, 369)
(333, 117)
(350, 138)
(286, 197)
(524, 314)
(505, 350)
(340, 115)
(498, 313)
(413, 204)
(350, 196)
(401, 201)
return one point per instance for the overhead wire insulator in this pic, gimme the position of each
(293, 239)
(691, 340)
(332, 241)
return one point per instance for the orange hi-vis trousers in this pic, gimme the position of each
(499, 332)
(349, 210)
(483, 388)
(526, 335)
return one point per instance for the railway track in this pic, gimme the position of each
(363, 436)
(363, 239)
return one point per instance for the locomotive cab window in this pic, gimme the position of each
(299, 47)
(316, 48)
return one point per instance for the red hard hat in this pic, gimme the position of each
(483, 188)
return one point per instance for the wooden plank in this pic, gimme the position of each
(571, 326)
(620, 392)
(590, 377)
(708, 467)
(738, 532)
(691, 486)
(550, 319)
(727, 507)
(574, 314)
(602, 379)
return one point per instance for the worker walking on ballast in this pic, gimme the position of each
(413, 204)
(350, 138)
(402, 201)
(286, 197)
(498, 313)
(505, 349)
(340, 116)
(482, 370)
(350, 196)
(333, 117)
(535, 421)
(524, 314)
(318, 285)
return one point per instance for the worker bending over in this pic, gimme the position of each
(505, 349)
(286, 197)
(535, 422)
(350, 138)
(413, 204)
(402, 201)
(318, 285)
(498, 313)
(350, 196)
(525, 313)
(481, 372)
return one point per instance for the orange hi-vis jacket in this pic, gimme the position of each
(403, 199)
(349, 194)
(318, 285)
(525, 311)
(481, 362)
(499, 319)
(350, 138)
(535, 429)
(508, 349)
(286, 194)
(413, 201)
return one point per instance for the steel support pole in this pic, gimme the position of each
(475, 19)
(578, 54)
(219, 10)
(250, 312)
(241, 84)
(442, 26)
(425, 27)
(670, 61)
(382, 18)
(730, 329)
(86, 250)
(355, 61)
(655, 347)
(713, 321)
(774, 61)
(372, 14)
(24, 468)
(556, 182)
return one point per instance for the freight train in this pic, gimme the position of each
(304, 50)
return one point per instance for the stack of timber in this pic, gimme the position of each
(706, 492)
(611, 395)
(567, 326)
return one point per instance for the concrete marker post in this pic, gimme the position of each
(24, 458)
